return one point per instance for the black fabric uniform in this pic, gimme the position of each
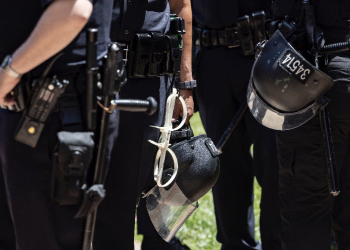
(222, 74)
(40, 223)
(309, 211)
(132, 156)
(7, 232)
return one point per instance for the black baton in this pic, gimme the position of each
(91, 79)
(232, 126)
(333, 182)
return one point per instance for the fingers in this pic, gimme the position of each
(187, 95)
(177, 110)
(7, 101)
(189, 114)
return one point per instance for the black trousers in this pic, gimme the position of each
(222, 76)
(309, 212)
(38, 222)
(132, 158)
(7, 232)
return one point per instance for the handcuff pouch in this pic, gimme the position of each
(139, 54)
(71, 160)
(172, 59)
(245, 35)
(157, 47)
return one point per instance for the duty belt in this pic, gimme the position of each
(151, 54)
(247, 33)
(211, 37)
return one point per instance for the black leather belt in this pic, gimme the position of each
(210, 37)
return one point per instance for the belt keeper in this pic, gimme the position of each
(206, 38)
(214, 38)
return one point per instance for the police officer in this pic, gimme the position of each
(222, 72)
(309, 211)
(132, 156)
(33, 32)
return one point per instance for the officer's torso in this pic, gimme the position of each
(333, 16)
(138, 16)
(218, 14)
(19, 17)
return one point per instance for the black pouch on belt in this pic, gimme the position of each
(245, 35)
(72, 158)
(172, 59)
(158, 41)
(258, 27)
(139, 55)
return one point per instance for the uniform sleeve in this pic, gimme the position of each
(45, 3)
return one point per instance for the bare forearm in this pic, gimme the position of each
(57, 27)
(182, 8)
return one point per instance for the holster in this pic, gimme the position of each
(72, 157)
(153, 54)
(20, 94)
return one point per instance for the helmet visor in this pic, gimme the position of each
(276, 120)
(168, 209)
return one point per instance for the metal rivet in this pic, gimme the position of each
(126, 32)
(192, 146)
(315, 81)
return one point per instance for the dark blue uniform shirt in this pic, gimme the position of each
(139, 16)
(333, 16)
(19, 17)
(219, 14)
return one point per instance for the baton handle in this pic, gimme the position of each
(232, 126)
(149, 106)
(91, 79)
(333, 182)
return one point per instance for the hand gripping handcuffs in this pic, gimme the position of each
(164, 139)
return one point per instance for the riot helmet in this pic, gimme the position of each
(285, 90)
(198, 169)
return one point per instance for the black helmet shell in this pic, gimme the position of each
(285, 79)
(199, 166)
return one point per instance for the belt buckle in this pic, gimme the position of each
(125, 50)
(231, 34)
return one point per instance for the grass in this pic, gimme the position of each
(199, 231)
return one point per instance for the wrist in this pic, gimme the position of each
(6, 65)
(185, 77)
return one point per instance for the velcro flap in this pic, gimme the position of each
(75, 150)
(158, 47)
(175, 49)
(143, 47)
